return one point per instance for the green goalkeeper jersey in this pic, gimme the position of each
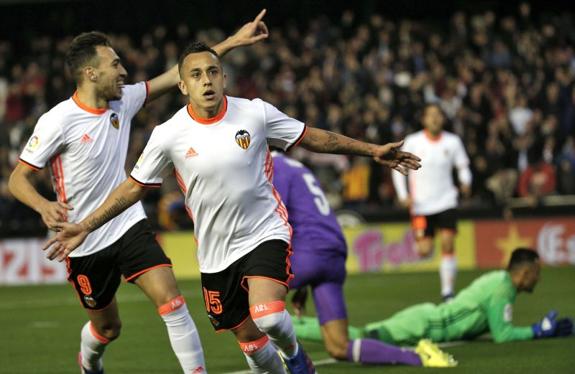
(485, 306)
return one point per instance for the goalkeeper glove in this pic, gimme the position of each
(546, 328)
(564, 327)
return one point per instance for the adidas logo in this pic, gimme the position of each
(85, 139)
(191, 153)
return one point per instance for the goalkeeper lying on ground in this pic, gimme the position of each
(485, 306)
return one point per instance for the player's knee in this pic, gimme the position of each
(424, 248)
(337, 349)
(269, 317)
(111, 330)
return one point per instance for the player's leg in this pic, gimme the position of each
(423, 230)
(159, 284)
(448, 268)
(267, 272)
(103, 327)
(143, 262)
(260, 353)
(331, 309)
(96, 281)
(405, 327)
(228, 309)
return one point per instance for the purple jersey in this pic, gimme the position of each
(315, 228)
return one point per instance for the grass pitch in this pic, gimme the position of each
(40, 327)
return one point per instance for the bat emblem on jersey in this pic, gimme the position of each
(115, 121)
(243, 138)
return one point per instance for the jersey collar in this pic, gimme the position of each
(432, 138)
(209, 121)
(87, 108)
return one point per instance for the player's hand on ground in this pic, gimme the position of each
(69, 237)
(299, 300)
(53, 213)
(546, 327)
(252, 32)
(391, 156)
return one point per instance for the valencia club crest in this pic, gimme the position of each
(243, 139)
(115, 121)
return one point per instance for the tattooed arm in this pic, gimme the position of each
(71, 235)
(322, 141)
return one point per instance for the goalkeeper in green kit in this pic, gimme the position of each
(485, 306)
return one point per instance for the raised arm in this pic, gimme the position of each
(250, 33)
(71, 235)
(21, 186)
(323, 141)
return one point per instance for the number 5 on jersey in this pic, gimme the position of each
(320, 200)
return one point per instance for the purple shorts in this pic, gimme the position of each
(325, 275)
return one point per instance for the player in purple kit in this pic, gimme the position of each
(318, 260)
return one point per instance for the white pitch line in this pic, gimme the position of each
(323, 362)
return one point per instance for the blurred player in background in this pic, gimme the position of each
(218, 146)
(85, 140)
(485, 306)
(318, 261)
(431, 194)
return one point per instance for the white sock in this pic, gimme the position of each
(183, 335)
(447, 273)
(272, 319)
(262, 356)
(92, 346)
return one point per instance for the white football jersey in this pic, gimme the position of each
(224, 169)
(431, 188)
(86, 149)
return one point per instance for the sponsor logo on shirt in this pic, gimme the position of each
(243, 138)
(33, 143)
(115, 120)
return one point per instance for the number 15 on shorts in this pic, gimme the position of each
(212, 301)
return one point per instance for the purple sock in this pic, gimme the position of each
(370, 351)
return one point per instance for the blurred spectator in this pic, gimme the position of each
(506, 83)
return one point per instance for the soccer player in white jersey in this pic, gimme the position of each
(218, 147)
(85, 141)
(431, 194)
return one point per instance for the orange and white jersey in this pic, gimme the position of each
(225, 170)
(431, 188)
(86, 150)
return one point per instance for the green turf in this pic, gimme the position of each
(39, 329)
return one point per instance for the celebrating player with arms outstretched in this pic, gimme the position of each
(218, 146)
(85, 140)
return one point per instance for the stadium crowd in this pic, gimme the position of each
(505, 83)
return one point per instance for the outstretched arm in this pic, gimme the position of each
(250, 33)
(323, 141)
(72, 235)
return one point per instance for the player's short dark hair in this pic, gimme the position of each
(82, 51)
(522, 256)
(430, 105)
(195, 47)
